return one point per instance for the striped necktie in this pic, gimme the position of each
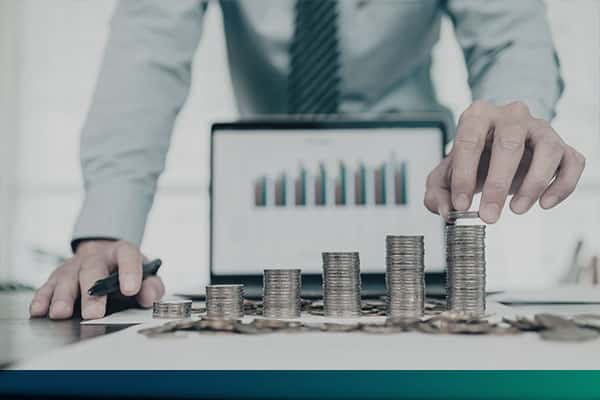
(314, 59)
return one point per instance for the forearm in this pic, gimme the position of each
(143, 83)
(509, 52)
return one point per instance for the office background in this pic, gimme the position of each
(49, 58)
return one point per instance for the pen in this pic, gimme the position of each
(110, 284)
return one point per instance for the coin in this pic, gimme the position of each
(341, 284)
(172, 309)
(225, 301)
(588, 320)
(333, 327)
(281, 293)
(405, 276)
(570, 334)
(465, 260)
(455, 215)
(550, 321)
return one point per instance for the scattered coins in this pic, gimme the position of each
(225, 301)
(455, 215)
(174, 309)
(405, 276)
(465, 260)
(281, 293)
(341, 284)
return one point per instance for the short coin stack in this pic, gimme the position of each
(465, 258)
(405, 276)
(281, 293)
(175, 309)
(225, 301)
(341, 284)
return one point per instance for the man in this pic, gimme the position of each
(312, 57)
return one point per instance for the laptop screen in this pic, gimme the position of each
(281, 196)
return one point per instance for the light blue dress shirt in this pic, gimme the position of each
(385, 56)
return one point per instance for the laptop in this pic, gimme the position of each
(284, 191)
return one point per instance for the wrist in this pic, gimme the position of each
(90, 245)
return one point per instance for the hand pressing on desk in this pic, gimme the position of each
(94, 260)
(502, 150)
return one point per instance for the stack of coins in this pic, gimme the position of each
(281, 293)
(172, 309)
(465, 258)
(225, 301)
(405, 276)
(341, 284)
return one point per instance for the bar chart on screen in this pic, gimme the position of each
(334, 184)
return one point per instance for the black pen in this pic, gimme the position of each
(110, 284)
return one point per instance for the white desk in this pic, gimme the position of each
(356, 351)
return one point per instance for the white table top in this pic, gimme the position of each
(128, 349)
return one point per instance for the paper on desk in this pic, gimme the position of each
(129, 317)
(126, 317)
(570, 294)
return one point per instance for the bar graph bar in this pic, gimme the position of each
(321, 187)
(400, 189)
(360, 190)
(260, 192)
(380, 187)
(300, 188)
(341, 184)
(280, 192)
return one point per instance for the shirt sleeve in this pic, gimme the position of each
(143, 83)
(509, 52)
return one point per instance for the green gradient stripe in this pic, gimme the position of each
(478, 385)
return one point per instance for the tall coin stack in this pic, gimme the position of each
(465, 258)
(341, 284)
(281, 293)
(225, 301)
(405, 276)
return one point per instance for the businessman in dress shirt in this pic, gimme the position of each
(375, 57)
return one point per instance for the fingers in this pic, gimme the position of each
(128, 259)
(65, 292)
(469, 143)
(152, 290)
(41, 300)
(507, 150)
(525, 155)
(92, 269)
(570, 170)
(437, 195)
(548, 153)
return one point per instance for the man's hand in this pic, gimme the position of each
(94, 260)
(501, 151)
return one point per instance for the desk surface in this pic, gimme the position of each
(22, 337)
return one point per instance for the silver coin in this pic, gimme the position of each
(225, 301)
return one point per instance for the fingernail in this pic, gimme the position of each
(461, 202)
(60, 309)
(36, 307)
(443, 212)
(521, 204)
(549, 202)
(128, 284)
(93, 311)
(490, 212)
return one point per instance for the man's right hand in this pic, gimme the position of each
(94, 260)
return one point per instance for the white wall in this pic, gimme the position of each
(8, 128)
(60, 45)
